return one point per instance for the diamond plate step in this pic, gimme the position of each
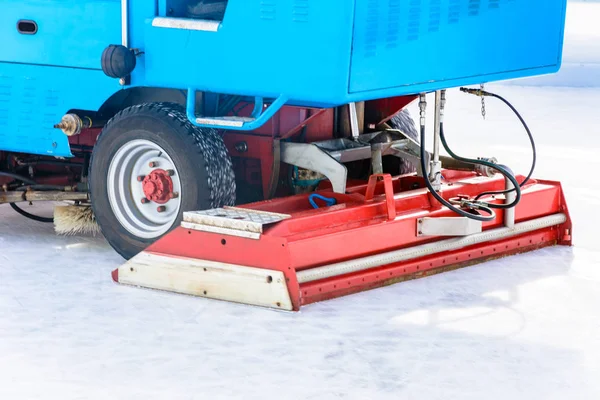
(234, 221)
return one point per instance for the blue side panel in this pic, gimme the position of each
(71, 33)
(34, 98)
(418, 42)
(263, 48)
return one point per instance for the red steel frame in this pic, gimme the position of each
(315, 124)
(369, 219)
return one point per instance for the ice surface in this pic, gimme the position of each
(524, 327)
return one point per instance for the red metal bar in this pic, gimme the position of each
(304, 123)
(290, 117)
(388, 191)
(378, 277)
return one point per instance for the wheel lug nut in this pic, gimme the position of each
(161, 209)
(153, 164)
(174, 195)
(145, 200)
(170, 172)
(140, 178)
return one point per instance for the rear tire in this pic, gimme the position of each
(393, 165)
(202, 177)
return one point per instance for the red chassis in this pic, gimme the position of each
(370, 238)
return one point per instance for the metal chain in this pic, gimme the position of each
(483, 102)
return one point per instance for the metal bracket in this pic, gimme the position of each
(311, 157)
(327, 157)
(410, 151)
(259, 116)
(388, 186)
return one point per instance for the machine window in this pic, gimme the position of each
(210, 10)
(213, 10)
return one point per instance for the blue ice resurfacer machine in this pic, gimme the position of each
(212, 130)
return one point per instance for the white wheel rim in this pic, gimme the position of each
(125, 192)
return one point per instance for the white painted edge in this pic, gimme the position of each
(269, 213)
(448, 226)
(225, 223)
(220, 122)
(220, 230)
(186, 23)
(125, 23)
(210, 279)
(231, 224)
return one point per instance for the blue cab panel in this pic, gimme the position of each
(320, 53)
(414, 43)
(70, 33)
(329, 53)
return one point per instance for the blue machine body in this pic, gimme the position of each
(321, 53)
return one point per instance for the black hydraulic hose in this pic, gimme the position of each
(480, 92)
(50, 162)
(18, 177)
(488, 164)
(439, 198)
(30, 216)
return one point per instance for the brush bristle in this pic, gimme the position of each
(75, 220)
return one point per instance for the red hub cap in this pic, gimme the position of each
(158, 186)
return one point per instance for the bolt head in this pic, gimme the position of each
(170, 172)
(161, 209)
(140, 178)
(174, 195)
(241, 147)
(153, 164)
(145, 200)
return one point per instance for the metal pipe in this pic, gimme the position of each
(391, 257)
(436, 166)
(27, 196)
(509, 213)
(436, 128)
(354, 121)
(422, 121)
(453, 164)
(125, 23)
(376, 159)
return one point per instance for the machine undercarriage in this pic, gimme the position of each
(320, 232)
(349, 236)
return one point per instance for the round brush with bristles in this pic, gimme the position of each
(75, 219)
